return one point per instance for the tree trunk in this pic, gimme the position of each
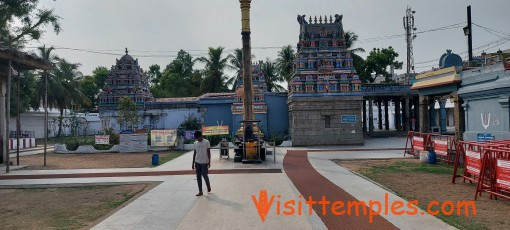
(60, 118)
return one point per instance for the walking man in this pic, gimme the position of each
(202, 161)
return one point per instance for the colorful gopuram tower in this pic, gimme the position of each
(126, 78)
(259, 87)
(325, 99)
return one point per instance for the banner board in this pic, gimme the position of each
(164, 137)
(214, 130)
(503, 174)
(473, 162)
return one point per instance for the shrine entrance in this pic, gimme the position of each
(389, 109)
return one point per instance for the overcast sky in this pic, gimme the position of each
(154, 30)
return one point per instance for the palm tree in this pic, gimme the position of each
(214, 80)
(285, 62)
(236, 64)
(272, 77)
(350, 39)
(47, 56)
(64, 88)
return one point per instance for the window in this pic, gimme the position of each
(327, 121)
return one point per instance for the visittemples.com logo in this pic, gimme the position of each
(266, 203)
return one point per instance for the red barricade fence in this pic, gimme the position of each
(443, 145)
(416, 142)
(487, 164)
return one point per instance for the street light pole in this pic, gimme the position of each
(45, 114)
(8, 107)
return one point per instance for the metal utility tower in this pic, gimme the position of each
(408, 21)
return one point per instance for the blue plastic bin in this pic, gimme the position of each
(432, 157)
(155, 159)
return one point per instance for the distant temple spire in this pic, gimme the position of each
(126, 50)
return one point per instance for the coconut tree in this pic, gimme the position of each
(63, 88)
(285, 62)
(236, 64)
(272, 77)
(214, 77)
(350, 39)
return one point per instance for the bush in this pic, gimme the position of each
(102, 147)
(190, 141)
(215, 140)
(114, 137)
(72, 143)
(277, 139)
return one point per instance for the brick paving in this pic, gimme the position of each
(309, 182)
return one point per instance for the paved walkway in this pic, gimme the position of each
(172, 204)
(311, 184)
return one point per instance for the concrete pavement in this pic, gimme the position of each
(172, 204)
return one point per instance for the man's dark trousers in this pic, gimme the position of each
(202, 171)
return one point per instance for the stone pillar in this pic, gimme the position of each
(398, 124)
(416, 103)
(370, 116)
(364, 115)
(424, 114)
(247, 83)
(432, 112)
(379, 115)
(386, 116)
(442, 115)
(406, 108)
(458, 117)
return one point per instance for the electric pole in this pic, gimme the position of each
(468, 31)
(408, 22)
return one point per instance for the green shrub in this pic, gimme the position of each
(114, 137)
(277, 139)
(190, 141)
(215, 140)
(73, 142)
(102, 147)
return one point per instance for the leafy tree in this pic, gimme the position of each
(215, 64)
(285, 62)
(90, 90)
(179, 79)
(153, 74)
(191, 123)
(127, 116)
(271, 75)
(23, 21)
(350, 39)
(378, 62)
(27, 92)
(100, 75)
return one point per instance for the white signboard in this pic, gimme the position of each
(102, 139)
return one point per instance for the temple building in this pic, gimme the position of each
(259, 89)
(126, 78)
(325, 101)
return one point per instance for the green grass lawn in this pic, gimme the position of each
(172, 155)
(376, 173)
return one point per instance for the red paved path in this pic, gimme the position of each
(310, 183)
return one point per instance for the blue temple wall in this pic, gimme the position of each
(217, 111)
(277, 113)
